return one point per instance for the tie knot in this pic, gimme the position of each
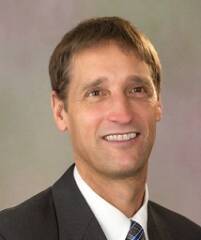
(136, 232)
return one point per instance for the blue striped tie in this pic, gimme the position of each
(136, 232)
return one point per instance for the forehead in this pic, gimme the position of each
(109, 61)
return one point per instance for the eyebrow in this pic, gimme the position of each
(140, 80)
(97, 82)
(133, 78)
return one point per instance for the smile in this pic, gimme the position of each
(121, 137)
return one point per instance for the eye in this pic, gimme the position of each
(137, 91)
(96, 93)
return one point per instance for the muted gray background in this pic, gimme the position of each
(34, 154)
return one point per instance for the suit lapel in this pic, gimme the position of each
(94, 231)
(74, 217)
(76, 221)
(157, 228)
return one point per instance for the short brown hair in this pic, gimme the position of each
(97, 31)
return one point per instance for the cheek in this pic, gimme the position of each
(152, 125)
(86, 121)
(157, 110)
(149, 119)
(91, 115)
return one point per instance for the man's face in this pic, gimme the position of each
(112, 109)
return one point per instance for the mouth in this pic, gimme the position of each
(121, 137)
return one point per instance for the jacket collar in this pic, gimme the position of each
(76, 221)
(74, 218)
(157, 227)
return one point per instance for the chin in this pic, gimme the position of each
(128, 170)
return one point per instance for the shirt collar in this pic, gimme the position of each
(141, 215)
(113, 222)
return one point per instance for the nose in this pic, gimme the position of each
(120, 110)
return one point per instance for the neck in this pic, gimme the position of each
(125, 194)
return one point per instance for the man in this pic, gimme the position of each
(105, 78)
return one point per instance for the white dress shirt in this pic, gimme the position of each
(113, 222)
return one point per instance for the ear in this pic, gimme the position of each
(59, 112)
(158, 110)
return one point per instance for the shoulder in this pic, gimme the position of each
(29, 220)
(174, 222)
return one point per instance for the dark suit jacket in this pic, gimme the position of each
(61, 213)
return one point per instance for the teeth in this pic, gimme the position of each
(120, 137)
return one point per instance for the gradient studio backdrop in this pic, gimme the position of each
(34, 154)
